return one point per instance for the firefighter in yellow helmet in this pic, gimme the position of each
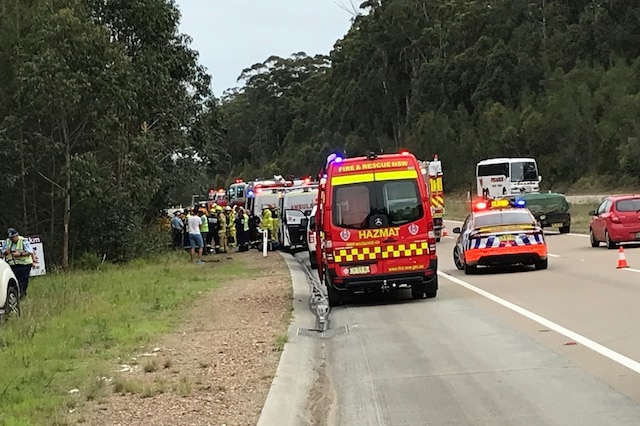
(275, 223)
(222, 230)
(231, 226)
(266, 220)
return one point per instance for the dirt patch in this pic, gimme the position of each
(321, 396)
(216, 369)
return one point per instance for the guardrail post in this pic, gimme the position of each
(265, 241)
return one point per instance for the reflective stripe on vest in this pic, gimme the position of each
(19, 246)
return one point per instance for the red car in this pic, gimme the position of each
(617, 220)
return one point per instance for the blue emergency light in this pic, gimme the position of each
(520, 202)
(250, 194)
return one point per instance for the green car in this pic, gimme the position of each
(550, 209)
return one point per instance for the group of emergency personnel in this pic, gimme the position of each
(217, 226)
(224, 228)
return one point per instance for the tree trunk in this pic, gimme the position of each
(67, 195)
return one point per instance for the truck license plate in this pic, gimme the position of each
(557, 225)
(359, 270)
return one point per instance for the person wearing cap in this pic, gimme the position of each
(177, 227)
(20, 255)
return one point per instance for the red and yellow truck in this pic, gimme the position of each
(375, 227)
(432, 175)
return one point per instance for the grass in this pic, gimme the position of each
(280, 341)
(457, 208)
(75, 325)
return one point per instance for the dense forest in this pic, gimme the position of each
(557, 80)
(107, 117)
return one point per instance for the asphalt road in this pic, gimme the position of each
(507, 347)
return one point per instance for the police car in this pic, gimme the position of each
(499, 232)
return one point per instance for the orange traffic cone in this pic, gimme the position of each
(622, 261)
(444, 231)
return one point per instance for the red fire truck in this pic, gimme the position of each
(375, 227)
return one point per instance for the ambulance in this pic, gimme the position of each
(376, 232)
(264, 193)
(295, 205)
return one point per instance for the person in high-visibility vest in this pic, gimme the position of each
(275, 223)
(20, 255)
(266, 223)
(204, 228)
(231, 227)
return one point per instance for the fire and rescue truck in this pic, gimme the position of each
(375, 227)
(236, 193)
(218, 197)
(432, 175)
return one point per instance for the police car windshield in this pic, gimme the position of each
(376, 204)
(514, 217)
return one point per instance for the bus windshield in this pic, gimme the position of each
(498, 169)
(523, 171)
(377, 204)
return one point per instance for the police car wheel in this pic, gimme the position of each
(470, 269)
(458, 258)
(542, 264)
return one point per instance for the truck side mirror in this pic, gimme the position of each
(592, 213)
(304, 222)
(457, 230)
(539, 178)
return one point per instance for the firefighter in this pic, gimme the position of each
(275, 223)
(266, 222)
(231, 227)
(213, 237)
(222, 230)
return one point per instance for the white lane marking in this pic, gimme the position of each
(594, 346)
(631, 269)
(553, 255)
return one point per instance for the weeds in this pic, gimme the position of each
(281, 340)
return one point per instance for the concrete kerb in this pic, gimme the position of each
(286, 403)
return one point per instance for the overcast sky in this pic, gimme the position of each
(232, 35)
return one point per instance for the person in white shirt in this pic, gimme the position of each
(195, 238)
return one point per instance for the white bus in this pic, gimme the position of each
(497, 177)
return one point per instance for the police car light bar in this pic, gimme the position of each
(498, 203)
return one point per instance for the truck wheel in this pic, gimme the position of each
(470, 269)
(565, 229)
(431, 288)
(335, 298)
(438, 239)
(313, 261)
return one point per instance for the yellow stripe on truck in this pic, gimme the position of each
(371, 177)
(349, 179)
(402, 174)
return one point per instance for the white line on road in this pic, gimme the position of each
(553, 255)
(594, 346)
(631, 269)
